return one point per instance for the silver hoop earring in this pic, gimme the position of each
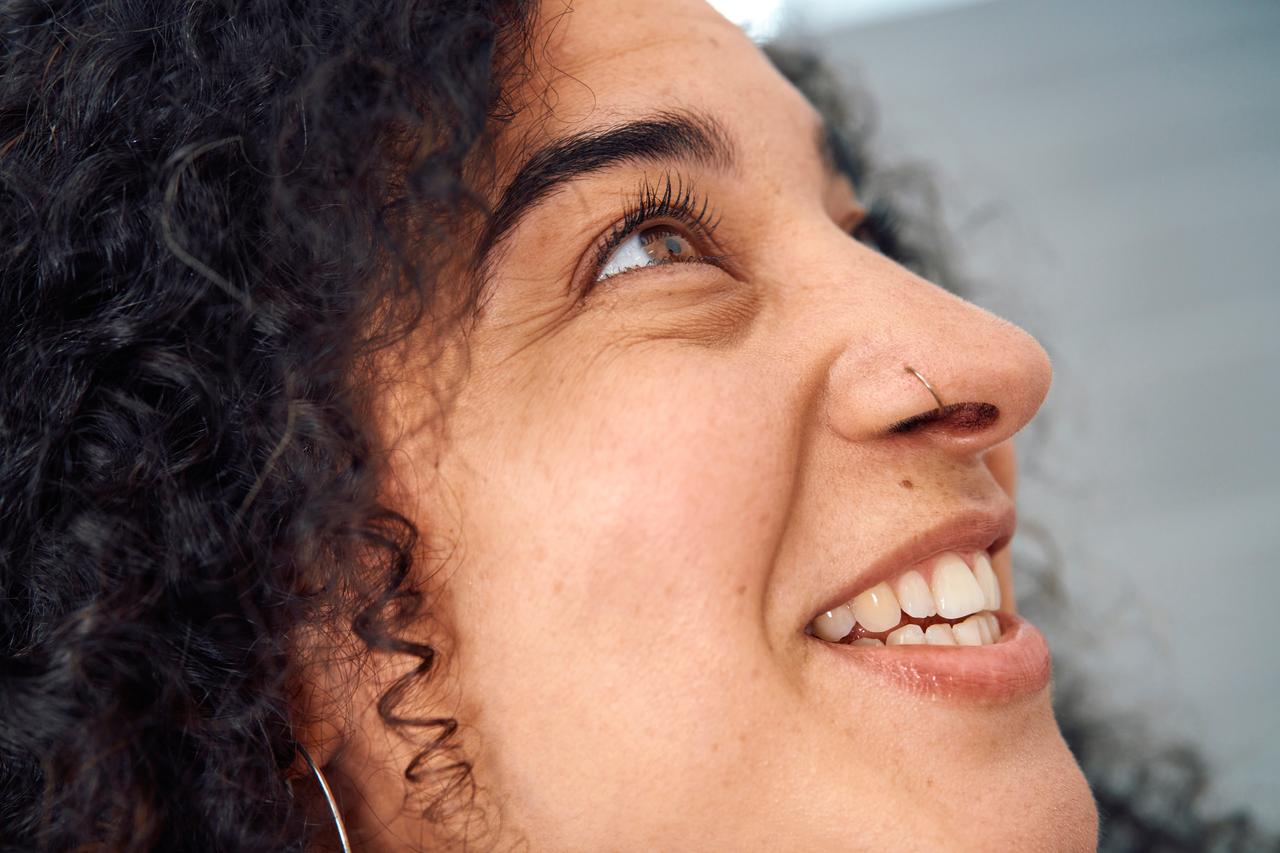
(927, 386)
(328, 796)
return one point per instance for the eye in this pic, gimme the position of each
(880, 230)
(648, 246)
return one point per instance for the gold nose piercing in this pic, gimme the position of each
(925, 383)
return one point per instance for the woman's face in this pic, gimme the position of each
(649, 485)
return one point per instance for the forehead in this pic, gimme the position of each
(604, 61)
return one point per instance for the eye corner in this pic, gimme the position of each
(854, 218)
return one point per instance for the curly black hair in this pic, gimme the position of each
(207, 212)
(214, 214)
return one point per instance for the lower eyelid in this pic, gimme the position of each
(715, 261)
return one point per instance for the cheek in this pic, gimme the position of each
(1002, 462)
(654, 490)
(611, 578)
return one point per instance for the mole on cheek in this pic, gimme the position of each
(906, 484)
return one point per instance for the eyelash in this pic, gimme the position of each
(880, 228)
(674, 199)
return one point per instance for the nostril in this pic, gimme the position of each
(957, 417)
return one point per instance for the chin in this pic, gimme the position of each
(1036, 799)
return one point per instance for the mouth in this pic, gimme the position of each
(943, 624)
(950, 600)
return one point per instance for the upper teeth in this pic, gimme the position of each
(954, 588)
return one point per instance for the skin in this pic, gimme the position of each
(645, 492)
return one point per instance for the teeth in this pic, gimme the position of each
(834, 625)
(969, 632)
(939, 635)
(984, 628)
(980, 629)
(907, 635)
(914, 596)
(955, 590)
(994, 624)
(986, 578)
(877, 609)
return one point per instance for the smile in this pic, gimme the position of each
(940, 626)
(950, 600)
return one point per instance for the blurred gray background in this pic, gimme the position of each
(1111, 171)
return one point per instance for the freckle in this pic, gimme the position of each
(742, 589)
(906, 484)
(557, 587)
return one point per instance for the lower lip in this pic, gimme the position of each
(1018, 665)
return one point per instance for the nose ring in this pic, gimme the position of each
(925, 383)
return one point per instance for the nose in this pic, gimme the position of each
(936, 368)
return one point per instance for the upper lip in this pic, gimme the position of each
(968, 530)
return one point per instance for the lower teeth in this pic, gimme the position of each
(980, 629)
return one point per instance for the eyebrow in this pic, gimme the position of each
(663, 136)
